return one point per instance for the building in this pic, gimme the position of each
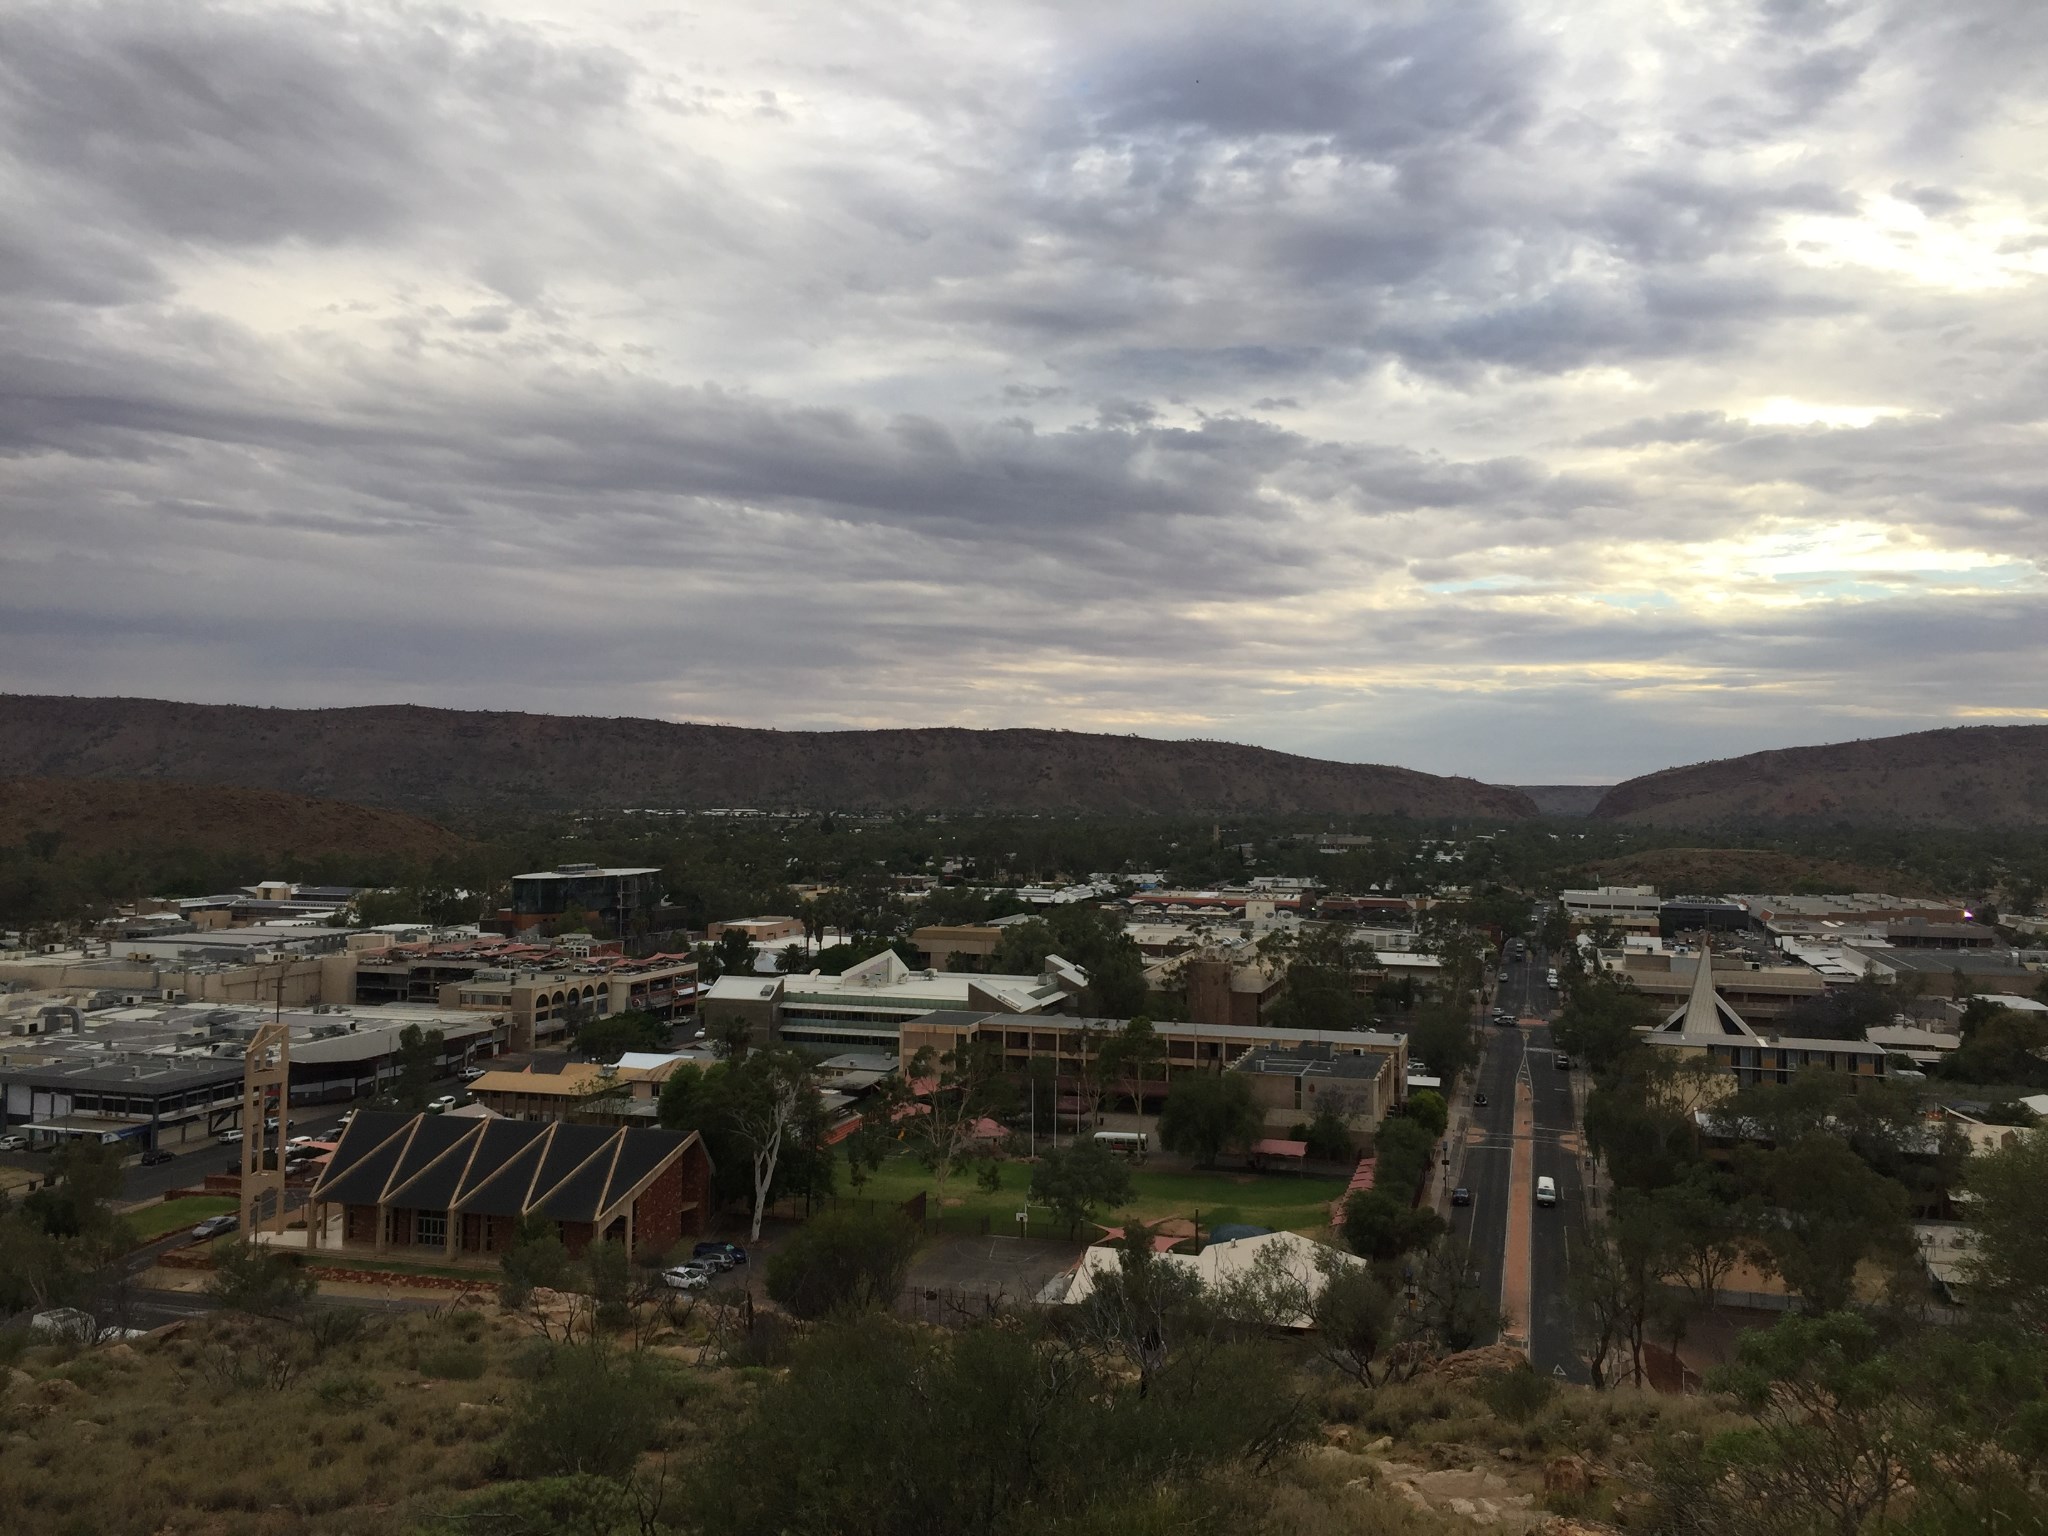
(449, 1189)
(1917, 933)
(937, 944)
(1706, 1025)
(1302, 1260)
(1701, 914)
(543, 1003)
(158, 1076)
(621, 898)
(760, 931)
(867, 1005)
(623, 1092)
(1811, 914)
(1627, 908)
(1066, 1044)
(1360, 1083)
(1227, 989)
(1952, 972)
(1760, 993)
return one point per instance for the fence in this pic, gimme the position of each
(954, 1307)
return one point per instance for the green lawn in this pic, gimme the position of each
(167, 1216)
(1285, 1202)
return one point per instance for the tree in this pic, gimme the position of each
(1427, 1109)
(1708, 1226)
(1617, 1289)
(843, 1260)
(253, 1279)
(607, 1039)
(957, 1091)
(734, 952)
(419, 1058)
(2010, 1215)
(1381, 1228)
(1324, 988)
(1829, 1431)
(1599, 1021)
(1206, 1112)
(1080, 1179)
(590, 1409)
(1829, 1213)
(536, 1260)
(1328, 1132)
(1354, 1320)
(770, 1091)
(1134, 1053)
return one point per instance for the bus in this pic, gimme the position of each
(1130, 1143)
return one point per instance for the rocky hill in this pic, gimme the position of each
(443, 759)
(145, 818)
(1720, 871)
(1976, 776)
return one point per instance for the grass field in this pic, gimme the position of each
(1285, 1202)
(166, 1217)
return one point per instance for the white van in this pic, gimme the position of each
(1550, 979)
(1546, 1190)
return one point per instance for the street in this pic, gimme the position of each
(1534, 1275)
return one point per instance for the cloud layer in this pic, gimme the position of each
(1538, 391)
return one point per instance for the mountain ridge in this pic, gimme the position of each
(1958, 776)
(423, 759)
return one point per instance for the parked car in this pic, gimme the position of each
(156, 1155)
(1546, 1190)
(686, 1277)
(213, 1226)
(1563, 1063)
(442, 1105)
(1461, 1196)
(732, 1253)
(471, 1074)
(1479, 1099)
(228, 1138)
(13, 1143)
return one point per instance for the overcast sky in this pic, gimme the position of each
(1540, 391)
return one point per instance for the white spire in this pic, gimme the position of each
(1702, 1009)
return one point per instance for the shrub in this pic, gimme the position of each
(843, 1260)
(1517, 1395)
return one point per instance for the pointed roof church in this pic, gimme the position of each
(1705, 1014)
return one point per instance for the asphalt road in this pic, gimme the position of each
(1510, 1054)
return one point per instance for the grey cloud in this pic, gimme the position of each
(203, 123)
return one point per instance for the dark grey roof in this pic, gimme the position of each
(564, 1170)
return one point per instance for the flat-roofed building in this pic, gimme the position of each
(1292, 1084)
(618, 896)
(938, 943)
(1069, 1044)
(1628, 908)
(759, 930)
(1758, 992)
(867, 1005)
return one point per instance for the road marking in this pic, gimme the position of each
(1517, 1256)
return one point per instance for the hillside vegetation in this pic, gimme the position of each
(1978, 776)
(145, 818)
(424, 759)
(1719, 871)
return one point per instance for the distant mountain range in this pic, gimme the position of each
(438, 760)
(1971, 776)
(441, 760)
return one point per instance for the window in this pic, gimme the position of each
(430, 1228)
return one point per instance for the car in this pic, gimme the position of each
(1503, 978)
(156, 1155)
(442, 1105)
(1461, 1196)
(228, 1138)
(214, 1226)
(686, 1277)
(717, 1262)
(1563, 1063)
(1546, 1190)
(13, 1143)
(732, 1253)
(471, 1074)
(1550, 978)
(1479, 1099)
